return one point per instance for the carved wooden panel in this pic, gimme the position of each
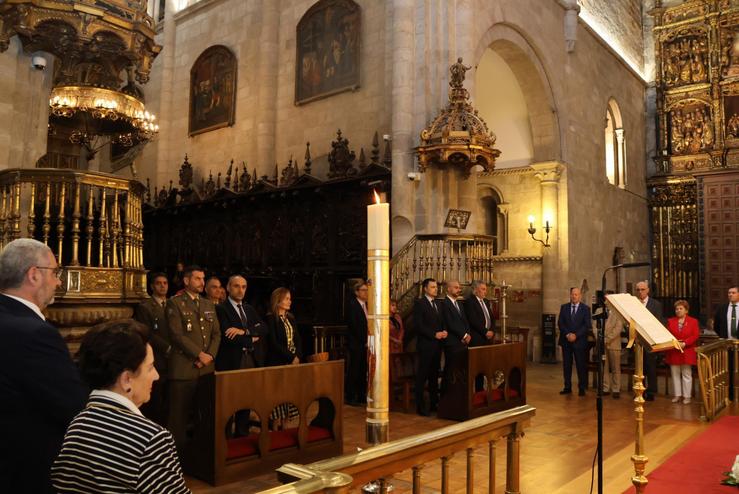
(309, 238)
(720, 235)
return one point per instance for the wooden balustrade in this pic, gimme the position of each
(330, 339)
(52, 205)
(713, 372)
(442, 257)
(345, 473)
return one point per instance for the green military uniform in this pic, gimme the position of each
(193, 328)
(152, 314)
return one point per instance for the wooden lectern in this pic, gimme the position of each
(645, 330)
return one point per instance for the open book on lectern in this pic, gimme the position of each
(642, 323)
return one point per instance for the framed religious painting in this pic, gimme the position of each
(212, 90)
(327, 58)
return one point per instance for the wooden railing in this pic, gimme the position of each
(443, 257)
(713, 372)
(345, 473)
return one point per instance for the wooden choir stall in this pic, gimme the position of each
(483, 380)
(316, 390)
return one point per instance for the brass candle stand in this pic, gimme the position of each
(378, 347)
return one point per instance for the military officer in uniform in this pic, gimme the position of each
(151, 313)
(195, 336)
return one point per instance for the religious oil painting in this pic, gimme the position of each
(327, 59)
(212, 90)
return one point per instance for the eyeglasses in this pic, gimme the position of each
(57, 271)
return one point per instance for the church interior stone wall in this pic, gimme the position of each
(269, 127)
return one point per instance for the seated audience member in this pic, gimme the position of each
(396, 328)
(110, 446)
(685, 330)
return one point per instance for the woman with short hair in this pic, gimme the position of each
(685, 330)
(110, 446)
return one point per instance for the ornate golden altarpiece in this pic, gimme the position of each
(697, 84)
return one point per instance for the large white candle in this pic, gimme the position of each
(378, 225)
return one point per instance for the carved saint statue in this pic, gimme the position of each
(685, 69)
(707, 129)
(676, 135)
(732, 128)
(698, 69)
(458, 70)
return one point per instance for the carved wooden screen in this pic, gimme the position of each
(719, 199)
(674, 219)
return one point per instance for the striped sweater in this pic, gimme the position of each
(109, 449)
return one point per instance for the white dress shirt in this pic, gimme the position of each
(112, 395)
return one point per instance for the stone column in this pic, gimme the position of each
(268, 60)
(167, 160)
(403, 190)
(549, 173)
(620, 158)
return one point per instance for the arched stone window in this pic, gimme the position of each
(493, 212)
(615, 144)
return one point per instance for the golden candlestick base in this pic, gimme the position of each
(378, 346)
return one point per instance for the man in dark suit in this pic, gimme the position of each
(356, 335)
(726, 325)
(479, 315)
(650, 361)
(241, 329)
(574, 325)
(150, 312)
(40, 387)
(430, 335)
(456, 324)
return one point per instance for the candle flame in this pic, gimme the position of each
(377, 197)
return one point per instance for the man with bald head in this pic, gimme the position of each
(650, 362)
(241, 329)
(574, 324)
(40, 387)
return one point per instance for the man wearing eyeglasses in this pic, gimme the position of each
(39, 384)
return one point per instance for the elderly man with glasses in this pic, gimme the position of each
(40, 387)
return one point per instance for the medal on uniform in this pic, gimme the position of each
(189, 326)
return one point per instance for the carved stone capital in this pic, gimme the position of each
(548, 171)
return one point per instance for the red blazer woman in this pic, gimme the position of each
(689, 335)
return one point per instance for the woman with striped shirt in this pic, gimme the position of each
(110, 446)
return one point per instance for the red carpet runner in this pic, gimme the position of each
(698, 467)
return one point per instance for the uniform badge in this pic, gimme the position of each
(189, 326)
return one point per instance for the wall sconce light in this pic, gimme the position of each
(532, 231)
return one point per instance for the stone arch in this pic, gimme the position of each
(493, 217)
(402, 230)
(525, 61)
(615, 145)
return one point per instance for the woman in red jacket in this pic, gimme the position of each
(685, 330)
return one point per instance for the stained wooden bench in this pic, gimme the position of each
(216, 458)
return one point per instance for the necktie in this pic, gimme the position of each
(164, 303)
(242, 316)
(574, 308)
(733, 321)
(456, 306)
(487, 315)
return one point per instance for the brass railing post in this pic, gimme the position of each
(102, 230)
(60, 223)
(470, 471)
(16, 227)
(32, 212)
(89, 226)
(417, 479)
(47, 216)
(512, 463)
(76, 227)
(445, 474)
(638, 458)
(491, 467)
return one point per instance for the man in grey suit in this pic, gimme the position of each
(650, 362)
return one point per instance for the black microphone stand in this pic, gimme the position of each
(600, 319)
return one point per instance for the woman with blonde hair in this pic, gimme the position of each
(685, 330)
